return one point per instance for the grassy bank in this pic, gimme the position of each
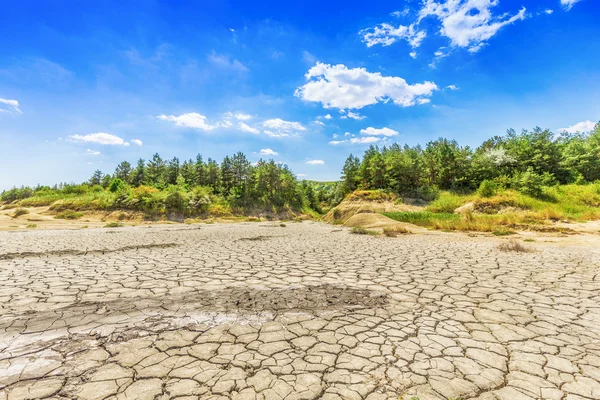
(507, 209)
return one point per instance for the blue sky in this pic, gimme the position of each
(85, 85)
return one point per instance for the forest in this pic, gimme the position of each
(528, 162)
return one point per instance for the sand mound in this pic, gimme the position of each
(378, 221)
(367, 202)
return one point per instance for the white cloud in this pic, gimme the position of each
(224, 62)
(268, 152)
(319, 122)
(100, 138)
(93, 152)
(137, 142)
(315, 162)
(337, 86)
(354, 116)
(452, 87)
(378, 132)
(242, 116)
(584, 126)
(358, 140)
(280, 128)
(468, 23)
(246, 128)
(548, 11)
(413, 54)
(12, 104)
(328, 116)
(190, 120)
(568, 4)
(386, 34)
(300, 175)
(399, 14)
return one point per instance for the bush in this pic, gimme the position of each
(529, 183)
(395, 231)
(68, 214)
(427, 193)
(114, 225)
(116, 185)
(200, 199)
(176, 202)
(446, 203)
(20, 211)
(487, 188)
(15, 194)
(359, 230)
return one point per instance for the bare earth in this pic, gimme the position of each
(307, 311)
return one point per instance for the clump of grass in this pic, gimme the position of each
(282, 225)
(514, 246)
(20, 211)
(68, 214)
(121, 216)
(359, 230)
(395, 231)
(114, 224)
(503, 232)
(31, 226)
(529, 240)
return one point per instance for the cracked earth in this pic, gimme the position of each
(258, 311)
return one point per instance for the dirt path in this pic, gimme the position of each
(306, 311)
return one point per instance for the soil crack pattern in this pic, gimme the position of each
(233, 312)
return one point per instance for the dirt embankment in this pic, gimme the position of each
(364, 208)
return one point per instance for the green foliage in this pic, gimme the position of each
(425, 218)
(487, 188)
(530, 183)
(15, 194)
(176, 202)
(359, 230)
(446, 203)
(116, 185)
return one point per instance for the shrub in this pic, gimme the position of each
(395, 231)
(20, 211)
(116, 185)
(337, 214)
(487, 188)
(515, 246)
(176, 202)
(16, 194)
(68, 214)
(529, 183)
(359, 230)
(113, 225)
(200, 199)
(31, 226)
(446, 203)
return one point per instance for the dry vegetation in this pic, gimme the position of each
(514, 246)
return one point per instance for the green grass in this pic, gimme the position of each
(68, 214)
(31, 226)
(423, 218)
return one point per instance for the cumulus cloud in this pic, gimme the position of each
(242, 116)
(337, 86)
(548, 11)
(319, 122)
(584, 126)
(386, 34)
(452, 87)
(328, 116)
(357, 140)
(378, 132)
(268, 152)
(278, 128)
(189, 120)
(246, 128)
(468, 23)
(99, 138)
(93, 152)
(354, 116)
(315, 162)
(413, 54)
(137, 142)
(568, 4)
(9, 106)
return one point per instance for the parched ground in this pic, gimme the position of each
(306, 311)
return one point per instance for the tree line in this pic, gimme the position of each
(524, 161)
